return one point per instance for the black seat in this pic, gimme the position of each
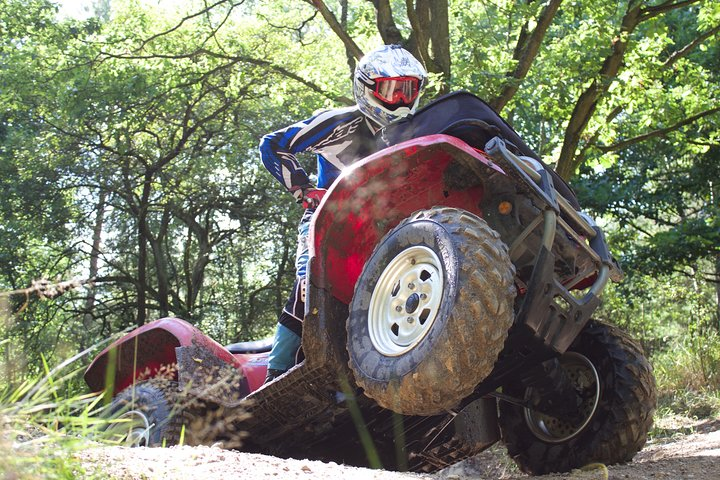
(464, 116)
(253, 346)
(460, 114)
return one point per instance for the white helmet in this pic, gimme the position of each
(387, 84)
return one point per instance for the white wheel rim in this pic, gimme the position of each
(584, 376)
(132, 428)
(405, 301)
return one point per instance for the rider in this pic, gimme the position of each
(387, 85)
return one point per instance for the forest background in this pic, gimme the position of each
(132, 189)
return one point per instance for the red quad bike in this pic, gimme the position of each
(451, 283)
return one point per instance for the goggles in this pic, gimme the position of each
(395, 90)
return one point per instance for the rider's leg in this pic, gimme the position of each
(283, 353)
(289, 331)
(286, 344)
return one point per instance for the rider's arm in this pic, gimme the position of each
(278, 149)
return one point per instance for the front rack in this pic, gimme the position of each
(549, 310)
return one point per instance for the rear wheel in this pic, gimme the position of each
(431, 312)
(616, 402)
(146, 415)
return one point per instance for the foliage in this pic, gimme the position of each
(668, 202)
(44, 425)
(692, 365)
(128, 150)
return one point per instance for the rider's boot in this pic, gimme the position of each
(272, 374)
(283, 354)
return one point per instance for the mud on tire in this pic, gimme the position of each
(431, 311)
(618, 421)
(147, 414)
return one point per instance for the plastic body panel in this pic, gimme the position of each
(374, 195)
(144, 352)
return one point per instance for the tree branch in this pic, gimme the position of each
(235, 59)
(593, 139)
(297, 30)
(351, 60)
(657, 133)
(527, 48)
(587, 102)
(677, 55)
(334, 24)
(639, 228)
(205, 10)
(284, 71)
(655, 10)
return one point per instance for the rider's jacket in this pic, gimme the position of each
(339, 137)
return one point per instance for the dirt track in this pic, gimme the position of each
(679, 456)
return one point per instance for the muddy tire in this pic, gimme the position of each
(146, 415)
(431, 312)
(619, 400)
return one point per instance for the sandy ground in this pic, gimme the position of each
(690, 452)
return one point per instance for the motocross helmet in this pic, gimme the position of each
(387, 84)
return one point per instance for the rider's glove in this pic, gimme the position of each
(312, 196)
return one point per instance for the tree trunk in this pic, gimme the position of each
(389, 32)
(430, 37)
(160, 262)
(141, 285)
(526, 50)
(242, 310)
(717, 293)
(587, 102)
(198, 271)
(715, 202)
(94, 256)
(194, 268)
(440, 38)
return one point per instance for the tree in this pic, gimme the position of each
(129, 140)
(662, 190)
(147, 123)
(152, 160)
(532, 42)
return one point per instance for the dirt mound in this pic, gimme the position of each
(690, 451)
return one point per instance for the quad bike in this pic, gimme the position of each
(451, 284)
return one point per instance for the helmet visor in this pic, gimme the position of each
(396, 90)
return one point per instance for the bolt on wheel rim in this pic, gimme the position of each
(585, 379)
(405, 301)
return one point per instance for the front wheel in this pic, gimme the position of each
(616, 401)
(431, 312)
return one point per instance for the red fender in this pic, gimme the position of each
(374, 195)
(146, 351)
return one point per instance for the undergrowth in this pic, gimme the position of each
(43, 426)
(690, 364)
(688, 385)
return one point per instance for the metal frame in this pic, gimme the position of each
(555, 324)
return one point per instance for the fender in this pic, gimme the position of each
(366, 201)
(147, 351)
(374, 195)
